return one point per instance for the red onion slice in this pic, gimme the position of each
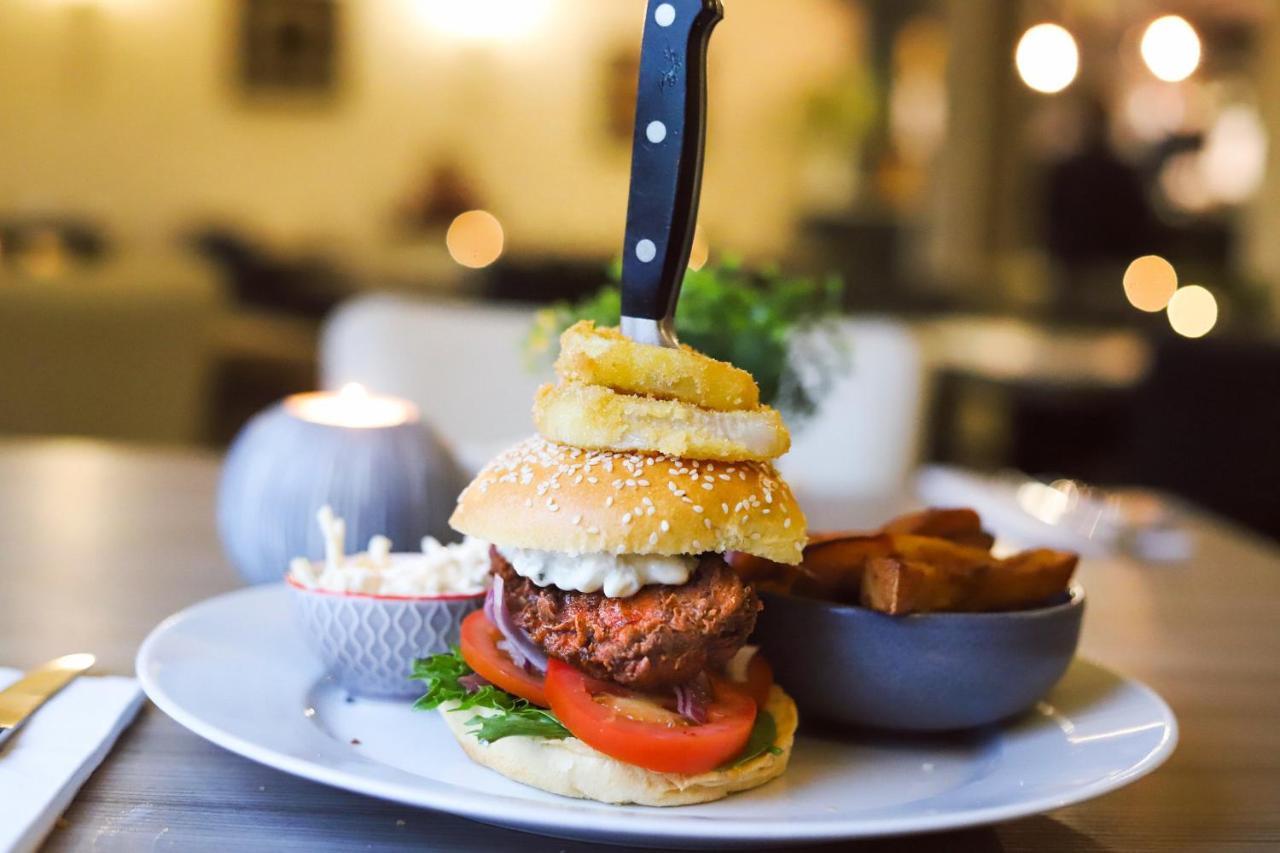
(693, 698)
(473, 682)
(522, 650)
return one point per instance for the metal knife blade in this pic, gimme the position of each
(24, 697)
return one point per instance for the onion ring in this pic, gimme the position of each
(603, 356)
(597, 418)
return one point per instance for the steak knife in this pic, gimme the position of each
(24, 697)
(666, 164)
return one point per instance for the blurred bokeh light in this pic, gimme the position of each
(475, 239)
(482, 20)
(1150, 283)
(1171, 48)
(1047, 58)
(1193, 311)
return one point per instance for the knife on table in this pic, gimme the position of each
(24, 697)
(666, 164)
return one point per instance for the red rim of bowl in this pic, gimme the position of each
(369, 596)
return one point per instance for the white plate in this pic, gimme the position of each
(235, 671)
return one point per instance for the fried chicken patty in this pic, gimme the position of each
(661, 636)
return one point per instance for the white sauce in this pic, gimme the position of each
(461, 569)
(618, 575)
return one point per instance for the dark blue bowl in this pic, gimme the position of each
(926, 672)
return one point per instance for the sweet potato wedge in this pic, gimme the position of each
(923, 578)
(962, 526)
(832, 567)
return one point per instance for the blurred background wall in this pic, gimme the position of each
(190, 188)
(132, 112)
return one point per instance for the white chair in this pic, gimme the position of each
(865, 440)
(463, 365)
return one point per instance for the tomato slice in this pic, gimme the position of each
(759, 680)
(640, 730)
(480, 650)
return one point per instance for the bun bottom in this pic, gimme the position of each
(572, 769)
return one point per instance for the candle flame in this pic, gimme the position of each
(351, 406)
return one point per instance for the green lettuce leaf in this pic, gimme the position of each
(763, 734)
(514, 717)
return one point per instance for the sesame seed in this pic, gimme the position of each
(626, 519)
(643, 482)
(554, 508)
(697, 546)
(697, 508)
(577, 519)
(725, 477)
(706, 523)
(765, 510)
(653, 539)
(707, 486)
(617, 484)
(646, 502)
(666, 528)
(649, 511)
(742, 475)
(786, 523)
(724, 508)
(593, 480)
(608, 501)
(768, 497)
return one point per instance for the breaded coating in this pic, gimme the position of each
(598, 418)
(604, 356)
(661, 636)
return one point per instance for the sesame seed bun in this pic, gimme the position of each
(572, 769)
(554, 497)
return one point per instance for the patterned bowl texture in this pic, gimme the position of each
(400, 482)
(368, 644)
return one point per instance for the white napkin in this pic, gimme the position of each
(45, 762)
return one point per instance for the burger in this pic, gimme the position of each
(611, 660)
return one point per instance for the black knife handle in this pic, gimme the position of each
(666, 155)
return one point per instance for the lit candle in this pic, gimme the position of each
(368, 456)
(352, 407)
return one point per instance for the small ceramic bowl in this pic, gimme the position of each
(927, 672)
(369, 642)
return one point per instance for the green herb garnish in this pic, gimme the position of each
(745, 316)
(513, 717)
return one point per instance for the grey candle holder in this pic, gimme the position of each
(399, 481)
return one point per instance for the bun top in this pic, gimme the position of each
(555, 497)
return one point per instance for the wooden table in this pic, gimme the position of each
(98, 543)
